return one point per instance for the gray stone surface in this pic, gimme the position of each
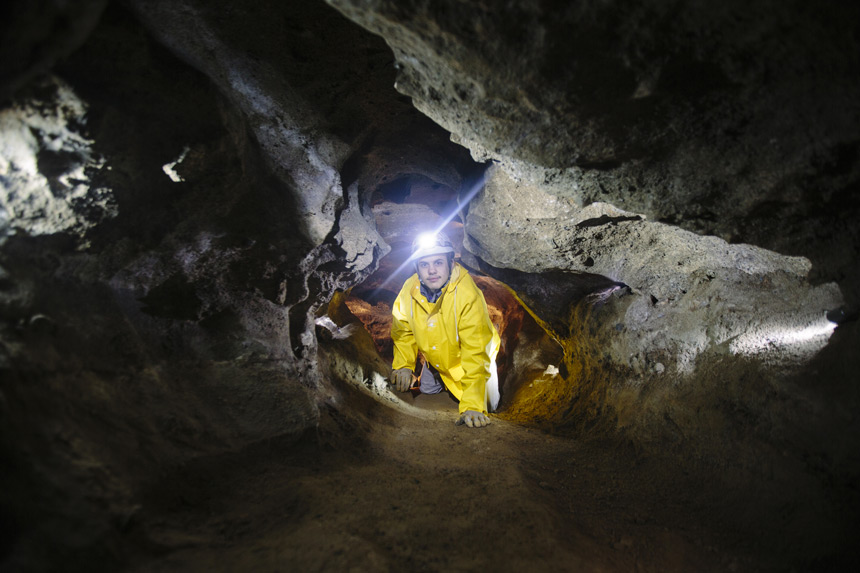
(696, 292)
(675, 300)
(738, 120)
(47, 165)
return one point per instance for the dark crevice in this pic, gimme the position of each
(605, 220)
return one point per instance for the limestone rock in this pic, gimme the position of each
(640, 305)
(697, 291)
(48, 164)
(719, 119)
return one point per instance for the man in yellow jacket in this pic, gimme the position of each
(442, 313)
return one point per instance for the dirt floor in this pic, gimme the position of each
(417, 493)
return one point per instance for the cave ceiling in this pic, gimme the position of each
(738, 120)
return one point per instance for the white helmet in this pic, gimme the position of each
(428, 244)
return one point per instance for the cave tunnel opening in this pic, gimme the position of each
(527, 351)
(165, 405)
(542, 375)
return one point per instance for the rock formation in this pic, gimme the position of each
(202, 203)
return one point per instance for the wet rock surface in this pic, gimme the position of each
(204, 213)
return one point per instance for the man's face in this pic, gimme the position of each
(433, 271)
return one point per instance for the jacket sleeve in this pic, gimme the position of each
(405, 348)
(476, 338)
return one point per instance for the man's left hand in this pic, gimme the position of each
(401, 378)
(473, 419)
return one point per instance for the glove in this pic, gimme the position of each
(473, 419)
(402, 379)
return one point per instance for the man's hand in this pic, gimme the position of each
(402, 379)
(473, 419)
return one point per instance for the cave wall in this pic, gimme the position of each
(143, 318)
(668, 335)
(169, 235)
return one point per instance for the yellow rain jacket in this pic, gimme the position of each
(455, 335)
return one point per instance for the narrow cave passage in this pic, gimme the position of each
(527, 354)
(196, 199)
(531, 358)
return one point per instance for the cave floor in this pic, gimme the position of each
(404, 493)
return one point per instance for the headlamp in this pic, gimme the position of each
(427, 244)
(427, 240)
